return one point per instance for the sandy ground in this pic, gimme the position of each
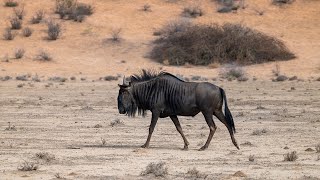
(82, 46)
(60, 120)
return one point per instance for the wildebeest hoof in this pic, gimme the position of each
(203, 148)
(185, 148)
(145, 146)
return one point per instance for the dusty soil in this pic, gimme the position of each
(61, 119)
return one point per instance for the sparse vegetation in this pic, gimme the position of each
(10, 3)
(19, 12)
(206, 44)
(15, 22)
(97, 126)
(28, 166)
(291, 156)
(18, 53)
(58, 176)
(157, 169)
(20, 85)
(43, 56)
(233, 72)
(192, 11)
(259, 132)
(37, 18)
(27, 32)
(22, 78)
(8, 34)
(54, 30)
(45, 156)
(58, 79)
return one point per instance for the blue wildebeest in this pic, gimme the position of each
(165, 95)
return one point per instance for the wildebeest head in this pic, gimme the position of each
(126, 102)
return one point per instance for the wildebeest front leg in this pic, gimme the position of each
(212, 127)
(154, 119)
(176, 122)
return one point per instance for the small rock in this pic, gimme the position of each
(309, 149)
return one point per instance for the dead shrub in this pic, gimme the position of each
(43, 56)
(173, 27)
(15, 23)
(10, 3)
(291, 156)
(8, 34)
(18, 53)
(115, 34)
(28, 166)
(72, 10)
(192, 11)
(10, 127)
(229, 43)
(157, 169)
(20, 85)
(318, 148)
(22, 77)
(194, 173)
(116, 122)
(54, 30)
(19, 12)
(45, 156)
(38, 17)
(27, 32)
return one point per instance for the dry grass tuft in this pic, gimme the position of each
(192, 11)
(47, 157)
(116, 122)
(194, 173)
(8, 34)
(251, 158)
(291, 156)
(28, 166)
(38, 17)
(54, 30)
(27, 32)
(259, 132)
(43, 56)
(157, 169)
(15, 22)
(11, 3)
(18, 53)
(10, 128)
(19, 12)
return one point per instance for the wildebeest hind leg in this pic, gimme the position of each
(221, 117)
(176, 122)
(154, 119)
(212, 127)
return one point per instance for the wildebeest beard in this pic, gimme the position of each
(131, 110)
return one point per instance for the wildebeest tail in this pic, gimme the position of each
(227, 112)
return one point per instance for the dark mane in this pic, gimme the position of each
(146, 75)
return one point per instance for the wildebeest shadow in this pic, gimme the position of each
(129, 146)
